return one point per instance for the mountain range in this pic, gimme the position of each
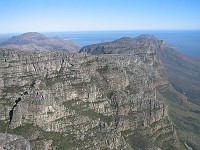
(182, 71)
(131, 93)
(36, 41)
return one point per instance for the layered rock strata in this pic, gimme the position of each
(92, 102)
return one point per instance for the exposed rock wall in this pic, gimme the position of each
(96, 100)
(13, 142)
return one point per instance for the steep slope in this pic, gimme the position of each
(125, 45)
(37, 41)
(183, 73)
(79, 101)
(184, 115)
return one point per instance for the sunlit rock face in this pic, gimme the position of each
(90, 101)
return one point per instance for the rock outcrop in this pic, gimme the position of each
(182, 72)
(82, 101)
(13, 142)
(126, 45)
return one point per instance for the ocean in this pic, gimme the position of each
(185, 41)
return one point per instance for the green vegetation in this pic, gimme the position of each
(115, 68)
(12, 89)
(137, 140)
(60, 140)
(162, 121)
(82, 108)
(5, 101)
(167, 146)
(94, 80)
(126, 132)
(183, 73)
(59, 78)
(102, 69)
(89, 62)
(50, 113)
(4, 125)
(130, 89)
(48, 81)
(187, 122)
(51, 81)
(140, 139)
(24, 130)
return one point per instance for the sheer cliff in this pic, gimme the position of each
(81, 101)
(182, 72)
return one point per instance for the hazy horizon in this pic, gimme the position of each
(86, 31)
(86, 15)
(186, 41)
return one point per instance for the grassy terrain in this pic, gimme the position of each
(184, 115)
(82, 108)
(60, 140)
(183, 73)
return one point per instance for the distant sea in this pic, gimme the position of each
(186, 41)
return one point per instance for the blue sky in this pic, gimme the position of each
(93, 15)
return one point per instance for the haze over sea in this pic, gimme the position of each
(186, 41)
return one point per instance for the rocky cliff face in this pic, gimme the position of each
(79, 101)
(13, 142)
(182, 72)
(141, 45)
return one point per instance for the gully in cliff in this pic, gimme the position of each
(11, 112)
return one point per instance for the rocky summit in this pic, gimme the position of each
(113, 100)
(126, 45)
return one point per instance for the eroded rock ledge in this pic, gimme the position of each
(90, 102)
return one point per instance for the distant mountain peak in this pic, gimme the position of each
(124, 40)
(37, 41)
(146, 36)
(32, 35)
(125, 45)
